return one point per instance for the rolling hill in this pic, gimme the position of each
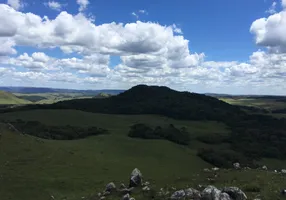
(7, 98)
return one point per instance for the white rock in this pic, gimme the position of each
(264, 167)
(180, 194)
(283, 171)
(136, 178)
(192, 194)
(110, 187)
(236, 165)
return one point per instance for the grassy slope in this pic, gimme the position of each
(36, 168)
(268, 104)
(8, 98)
(76, 168)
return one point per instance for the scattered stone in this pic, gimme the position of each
(102, 198)
(215, 168)
(236, 165)
(264, 167)
(136, 178)
(122, 186)
(283, 171)
(131, 198)
(146, 183)
(110, 187)
(126, 197)
(180, 194)
(275, 171)
(283, 192)
(126, 190)
(146, 189)
(207, 170)
(192, 194)
(99, 194)
(106, 193)
(235, 193)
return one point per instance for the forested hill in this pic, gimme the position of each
(144, 99)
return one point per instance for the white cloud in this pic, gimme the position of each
(54, 5)
(135, 15)
(177, 30)
(272, 8)
(7, 47)
(150, 53)
(16, 4)
(82, 4)
(143, 12)
(270, 32)
(283, 3)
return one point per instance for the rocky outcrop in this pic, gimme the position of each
(136, 178)
(191, 193)
(235, 193)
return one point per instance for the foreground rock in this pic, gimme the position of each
(235, 193)
(236, 165)
(110, 187)
(212, 193)
(136, 178)
(193, 194)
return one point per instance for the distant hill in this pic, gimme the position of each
(31, 90)
(7, 98)
(144, 99)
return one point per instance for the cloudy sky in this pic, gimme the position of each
(222, 46)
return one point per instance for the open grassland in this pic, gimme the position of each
(48, 98)
(33, 168)
(263, 103)
(7, 98)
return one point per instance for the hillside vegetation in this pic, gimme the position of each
(7, 98)
(264, 136)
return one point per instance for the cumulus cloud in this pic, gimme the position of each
(54, 5)
(16, 4)
(82, 4)
(149, 53)
(283, 3)
(270, 32)
(7, 47)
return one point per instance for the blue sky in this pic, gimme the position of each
(219, 46)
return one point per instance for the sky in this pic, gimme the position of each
(222, 46)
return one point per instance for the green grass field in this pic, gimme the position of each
(7, 98)
(268, 104)
(32, 168)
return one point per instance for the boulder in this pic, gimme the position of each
(126, 197)
(110, 187)
(180, 194)
(191, 193)
(264, 167)
(283, 171)
(136, 178)
(236, 165)
(235, 193)
(210, 193)
(224, 196)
